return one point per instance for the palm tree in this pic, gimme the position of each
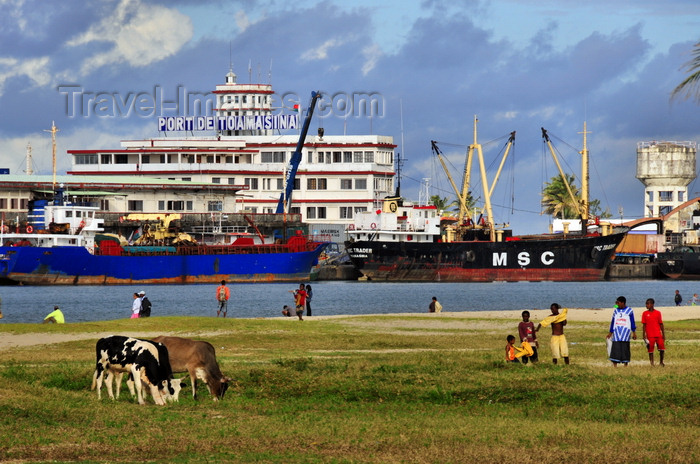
(690, 87)
(556, 199)
(441, 202)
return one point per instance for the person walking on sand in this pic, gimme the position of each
(222, 296)
(136, 306)
(621, 327)
(653, 331)
(678, 298)
(558, 344)
(55, 317)
(434, 306)
(694, 300)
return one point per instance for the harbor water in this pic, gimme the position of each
(25, 304)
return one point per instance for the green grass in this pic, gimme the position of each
(365, 389)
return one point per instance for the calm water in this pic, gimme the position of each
(100, 303)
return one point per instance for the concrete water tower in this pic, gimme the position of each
(665, 169)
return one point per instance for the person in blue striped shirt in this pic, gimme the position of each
(622, 326)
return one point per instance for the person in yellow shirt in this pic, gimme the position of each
(558, 344)
(55, 317)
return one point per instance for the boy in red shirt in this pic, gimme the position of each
(653, 331)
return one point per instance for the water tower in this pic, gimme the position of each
(665, 169)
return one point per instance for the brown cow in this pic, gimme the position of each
(198, 358)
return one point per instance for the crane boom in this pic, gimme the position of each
(285, 200)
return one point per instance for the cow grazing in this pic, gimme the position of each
(144, 360)
(198, 358)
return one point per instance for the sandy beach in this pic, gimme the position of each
(602, 315)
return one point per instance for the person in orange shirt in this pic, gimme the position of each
(222, 296)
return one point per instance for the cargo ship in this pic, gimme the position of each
(65, 244)
(402, 241)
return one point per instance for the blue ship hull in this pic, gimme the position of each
(76, 266)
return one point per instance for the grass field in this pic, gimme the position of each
(386, 389)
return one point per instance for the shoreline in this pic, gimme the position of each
(602, 315)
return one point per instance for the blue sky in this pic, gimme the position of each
(518, 65)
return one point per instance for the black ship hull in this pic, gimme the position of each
(531, 258)
(680, 264)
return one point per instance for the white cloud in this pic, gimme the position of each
(36, 69)
(242, 20)
(142, 34)
(320, 52)
(372, 55)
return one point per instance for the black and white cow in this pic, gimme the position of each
(144, 360)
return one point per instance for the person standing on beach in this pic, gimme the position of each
(653, 331)
(222, 296)
(558, 344)
(136, 306)
(309, 294)
(678, 298)
(434, 306)
(526, 331)
(621, 327)
(299, 300)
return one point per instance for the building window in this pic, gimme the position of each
(321, 212)
(321, 157)
(360, 209)
(681, 195)
(161, 205)
(104, 205)
(3, 203)
(357, 157)
(336, 157)
(216, 180)
(310, 212)
(106, 159)
(360, 184)
(665, 196)
(295, 210)
(145, 159)
(347, 157)
(189, 205)
(215, 206)
(135, 205)
(251, 182)
(369, 157)
(231, 181)
(650, 197)
(663, 210)
(280, 183)
(297, 185)
(178, 205)
(346, 212)
(187, 179)
(121, 159)
(316, 184)
(85, 159)
(346, 184)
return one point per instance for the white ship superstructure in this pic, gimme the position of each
(339, 175)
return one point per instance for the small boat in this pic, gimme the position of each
(682, 262)
(402, 241)
(65, 244)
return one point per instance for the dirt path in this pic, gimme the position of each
(444, 320)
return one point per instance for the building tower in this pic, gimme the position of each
(233, 99)
(665, 169)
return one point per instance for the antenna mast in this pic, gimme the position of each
(29, 169)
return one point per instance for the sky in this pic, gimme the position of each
(104, 70)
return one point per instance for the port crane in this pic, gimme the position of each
(285, 200)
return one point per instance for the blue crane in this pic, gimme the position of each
(286, 196)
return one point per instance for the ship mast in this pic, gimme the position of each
(53, 131)
(29, 170)
(584, 181)
(484, 183)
